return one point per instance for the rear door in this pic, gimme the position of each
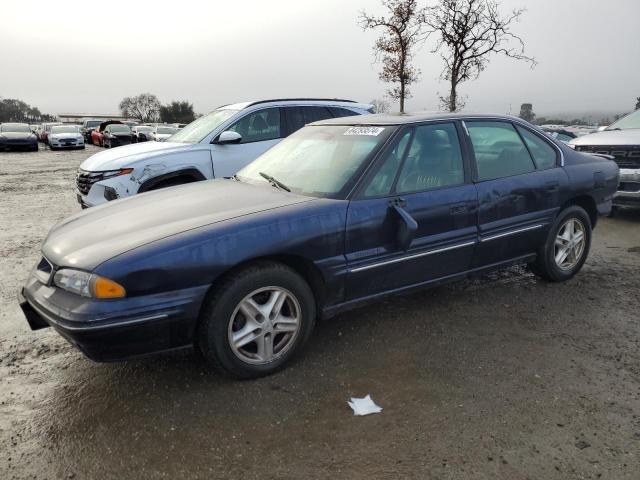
(519, 182)
(421, 175)
(260, 130)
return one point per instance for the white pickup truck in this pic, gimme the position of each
(620, 140)
(215, 145)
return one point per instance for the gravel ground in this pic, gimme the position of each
(500, 377)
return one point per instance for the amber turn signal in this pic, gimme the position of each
(105, 288)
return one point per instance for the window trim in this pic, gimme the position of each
(215, 139)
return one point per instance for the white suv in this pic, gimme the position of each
(215, 145)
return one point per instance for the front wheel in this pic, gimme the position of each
(567, 246)
(256, 320)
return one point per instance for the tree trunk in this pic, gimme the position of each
(453, 96)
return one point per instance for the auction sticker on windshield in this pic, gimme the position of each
(372, 131)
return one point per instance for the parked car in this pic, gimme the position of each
(215, 145)
(340, 213)
(65, 136)
(565, 136)
(621, 141)
(97, 137)
(115, 135)
(160, 133)
(46, 128)
(17, 136)
(140, 133)
(89, 126)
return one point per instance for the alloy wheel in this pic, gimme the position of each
(264, 325)
(570, 244)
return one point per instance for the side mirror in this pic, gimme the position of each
(407, 226)
(229, 137)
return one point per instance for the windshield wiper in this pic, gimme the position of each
(274, 182)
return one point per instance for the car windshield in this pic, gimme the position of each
(319, 161)
(65, 129)
(199, 129)
(120, 129)
(167, 130)
(630, 121)
(15, 127)
(93, 123)
(144, 129)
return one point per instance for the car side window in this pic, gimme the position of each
(298, 117)
(315, 114)
(498, 150)
(434, 160)
(341, 112)
(259, 126)
(381, 183)
(543, 154)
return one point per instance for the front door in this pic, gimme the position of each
(420, 178)
(260, 130)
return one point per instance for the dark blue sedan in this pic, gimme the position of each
(343, 212)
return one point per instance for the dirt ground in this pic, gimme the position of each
(501, 377)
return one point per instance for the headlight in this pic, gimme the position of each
(115, 173)
(87, 284)
(571, 145)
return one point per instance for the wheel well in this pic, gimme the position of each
(588, 204)
(190, 175)
(305, 268)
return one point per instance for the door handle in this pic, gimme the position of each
(397, 202)
(552, 185)
(458, 209)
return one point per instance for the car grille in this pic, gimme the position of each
(44, 270)
(84, 180)
(625, 156)
(629, 187)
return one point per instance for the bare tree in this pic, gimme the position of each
(144, 107)
(637, 103)
(469, 31)
(403, 30)
(380, 105)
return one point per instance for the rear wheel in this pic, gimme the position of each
(567, 246)
(256, 320)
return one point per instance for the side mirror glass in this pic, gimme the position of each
(229, 137)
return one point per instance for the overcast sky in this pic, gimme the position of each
(84, 56)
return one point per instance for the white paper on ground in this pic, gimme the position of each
(364, 406)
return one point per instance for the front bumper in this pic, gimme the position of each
(66, 143)
(112, 330)
(18, 144)
(629, 190)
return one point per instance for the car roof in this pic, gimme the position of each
(338, 102)
(408, 118)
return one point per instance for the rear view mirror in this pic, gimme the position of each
(229, 137)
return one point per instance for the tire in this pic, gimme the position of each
(546, 265)
(104, 144)
(222, 316)
(614, 212)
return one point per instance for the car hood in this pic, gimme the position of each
(19, 135)
(609, 137)
(89, 238)
(114, 159)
